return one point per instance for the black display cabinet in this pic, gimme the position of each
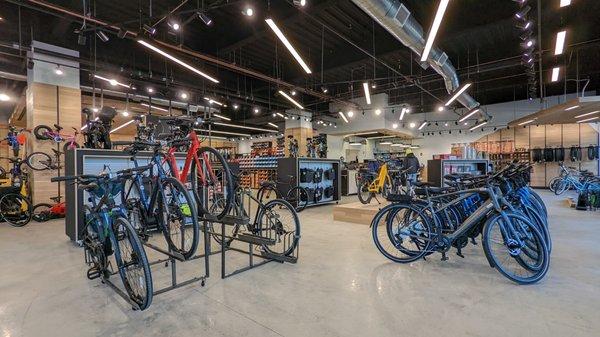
(321, 178)
(438, 168)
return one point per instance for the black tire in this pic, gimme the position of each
(39, 161)
(298, 197)
(216, 184)
(41, 212)
(267, 193)
(534, 240)
(416, 231)
(177, 215)
(15, 209)
(542, 225)
(41, 132)
(538, 200)
(279, 221)
(66, 146)
(130, 198)
(363, 193)
(133, 264)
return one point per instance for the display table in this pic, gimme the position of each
(357, 212)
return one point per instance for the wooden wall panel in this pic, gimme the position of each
(521, 138)
(570, 135)
(554, 135)
(301, 134)
(537, 137)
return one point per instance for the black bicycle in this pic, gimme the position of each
(297, 196)
(408, 230)
(106, 232)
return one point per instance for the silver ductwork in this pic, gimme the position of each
(398, 21)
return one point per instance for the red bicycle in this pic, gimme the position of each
(43, 212)
(205, 170)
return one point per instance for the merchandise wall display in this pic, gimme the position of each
(320, 177)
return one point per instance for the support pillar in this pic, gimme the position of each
(52, 98)
(299, 128)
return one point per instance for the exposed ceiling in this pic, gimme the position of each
(335, 37)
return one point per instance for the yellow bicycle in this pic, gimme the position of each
(369, 187)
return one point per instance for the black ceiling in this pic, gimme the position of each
(478, 35)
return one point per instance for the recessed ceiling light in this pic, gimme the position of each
(412, 125)
(350, 113)
(248, 11)
(378, 112)
(183, 95)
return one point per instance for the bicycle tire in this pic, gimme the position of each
(260, 194)
(394, 236)
(538, 273)
(552, 183)
(39, 161)
(131, 200)
(295, 196)
(542, 225)
(214, 190)
(540, 203)
(274, 226)
(364, 195)
(41, 132)
(182, 207)
(142, 295)
(15, 209)
(561, 187)
(41, 212)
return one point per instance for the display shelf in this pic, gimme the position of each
(437, 168)
(321, 190)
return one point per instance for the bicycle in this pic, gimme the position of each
(275, 225)
(160, 202)
(369, 188)
(43, 212)
(297, 196)
(580, 183)
(97, 131)
(44, 132)
(15, 139)
(14, 207)
(205, 170)
(107, 232)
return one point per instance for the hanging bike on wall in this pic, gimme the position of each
(15, 139)
(44, 132)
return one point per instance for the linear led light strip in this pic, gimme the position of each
(560, 42)
(343, 116)
(245, 127)
(434, 29)
(572, 107)
(404, 110)
(273, 125)
(224, 132)
(153, 107)
(222, 117)
(555, 74)
(587, 114)
(112, 81)
(526, 122)
(280, 114)
(478, 125)
(288, 45)
(458, 93)
(367, 93)
(122, 126)
(176, 60)
(423, 125)
(587, 120)
(210, 100)
(564, 3)
(464, 118)
(282, 93)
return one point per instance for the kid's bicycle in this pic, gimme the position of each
(44, 132)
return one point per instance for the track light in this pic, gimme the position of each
(288, 45)
(350, 113)
(248, 11)
(440, 108)
(523, 12)
(377, 112)
(150, 90)
(102, 36)
(300, 3)
(183, 95)
(58, 70)
(282, 93)
(555, 74)
(465, 117)
(256, 110)
(395, 126)
(343, 117)
(174, 25)
(458, 93)
(235, 107)
(528, 44)
(176, 60)
(324, 89)
(207, 21)
(367, 92)
(434, 29)
(149, 29)
(560, 42)
(524, 25)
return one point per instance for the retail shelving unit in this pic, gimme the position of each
(437, 168)
(297, 169)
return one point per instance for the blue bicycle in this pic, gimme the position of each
(583, 183)
(107, 232)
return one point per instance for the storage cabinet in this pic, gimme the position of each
(321, 178)
(437, 168)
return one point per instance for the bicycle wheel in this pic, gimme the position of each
(267, 193)
(41, 212)
(131, 200)
(42, 132)
(211, 182)
(552, 183)
(534, 216)
(178, 218)
(387, 187)
(364, 195)
(215, 231)
(561, 187)
(297, 197)
(523, 262)
(133, 264)
(15, 209)
(538, 203)
(402, 233)
(278, 220)
(39, 161)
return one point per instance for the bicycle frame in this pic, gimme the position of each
(149, 203)
(192, 156)
(377, 185)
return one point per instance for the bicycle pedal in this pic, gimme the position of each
(93, 273)
(460, 254)
(444, 257)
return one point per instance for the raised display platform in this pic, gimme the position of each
(357, 212)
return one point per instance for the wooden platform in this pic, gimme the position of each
(356, 212)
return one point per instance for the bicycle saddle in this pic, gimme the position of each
(58, 127)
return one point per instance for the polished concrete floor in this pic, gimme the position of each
(341, 286)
